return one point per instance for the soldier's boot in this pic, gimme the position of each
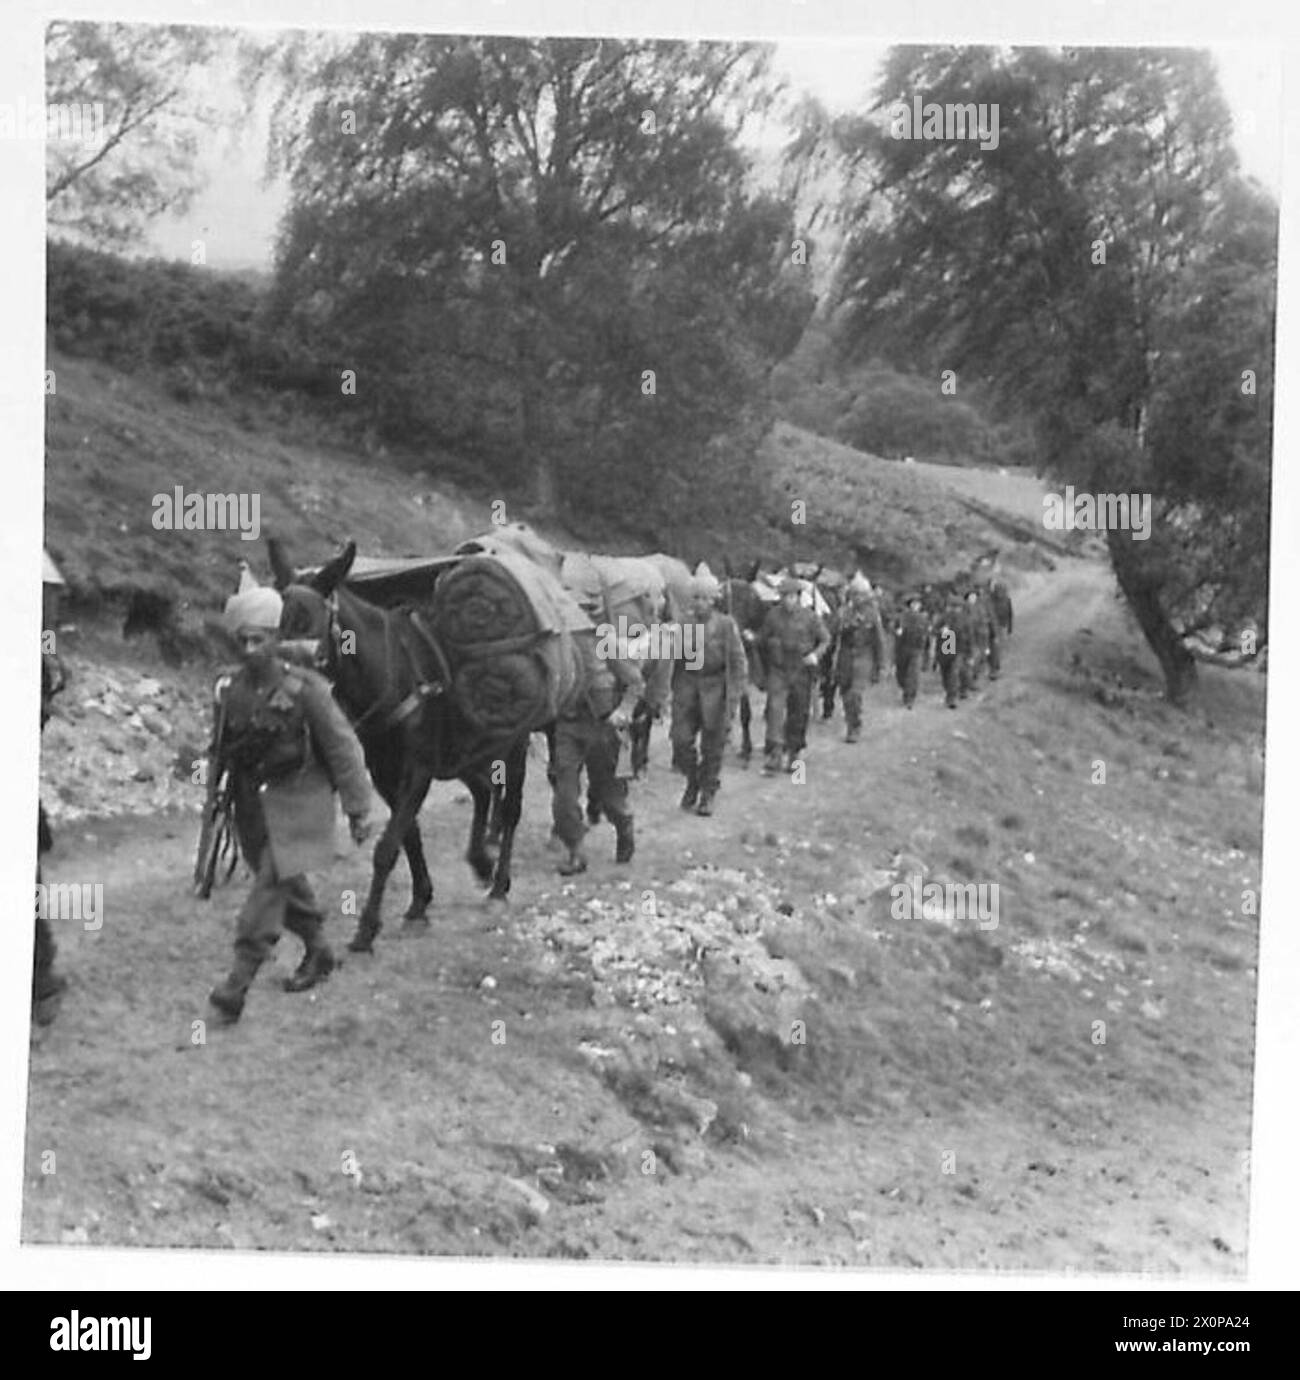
(705, 807)
(228, 996)
(574, 863)
(317, 963)
(46, 983)
(626, 844)
(771, 761)
(692, 792)
(853, 726)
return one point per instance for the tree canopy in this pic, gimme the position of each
(543, 248)
(1109, 272)
(102, 190)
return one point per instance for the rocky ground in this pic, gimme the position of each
(731, 1050)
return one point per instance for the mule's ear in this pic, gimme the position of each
(281, 565)
(333, 573)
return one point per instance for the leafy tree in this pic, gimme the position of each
(103, 190)
(510, 233)
(1070, 267)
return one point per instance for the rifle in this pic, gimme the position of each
(217, 843)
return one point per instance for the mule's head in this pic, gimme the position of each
(308, 618)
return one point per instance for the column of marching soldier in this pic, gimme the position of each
(291, 748)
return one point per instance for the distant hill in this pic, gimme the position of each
(906, 522)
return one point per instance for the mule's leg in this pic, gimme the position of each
(494, 816)
(640, 736)
(400, 823)
(746, 716)
(477, 855)
(421, 883)
(512, 805)
(388, 783)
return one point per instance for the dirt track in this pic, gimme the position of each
(507, 1084)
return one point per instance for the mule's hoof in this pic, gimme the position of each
(363, 942)
(415, 924)
(501, 896)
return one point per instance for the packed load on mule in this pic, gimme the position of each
(677, 584)
(636, 597)
(498, 616)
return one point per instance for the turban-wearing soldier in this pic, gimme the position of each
(860, 638)
(288, 748)
(792, 641)
(709, 677)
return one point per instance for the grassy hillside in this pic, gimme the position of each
(114, 441)
(905, 522)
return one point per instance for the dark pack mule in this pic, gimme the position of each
(391, 677)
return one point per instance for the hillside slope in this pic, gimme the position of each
(902, 522)
(115, 441)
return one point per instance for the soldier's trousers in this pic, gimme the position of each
(995, 659)
(968, 664)
(786, 719)
(275, 904)
(699, 711)
(973, 664)
(851, 672)
(907, 672)
(950, 668)
(592, 743)
(46, 948)
(827, 681)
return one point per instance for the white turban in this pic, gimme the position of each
(259, 607)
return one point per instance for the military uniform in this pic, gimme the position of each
(289, 748)
(860, 638)
(46, 983)
(584, 736)
(977, 625)
(951, 635)
(1000, 597)
(788, 637)
(987, 616)
(910, 640)
(828, 668)
(704, 701)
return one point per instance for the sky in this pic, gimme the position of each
(236, 216)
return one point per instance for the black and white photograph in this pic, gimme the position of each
(654, 643)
